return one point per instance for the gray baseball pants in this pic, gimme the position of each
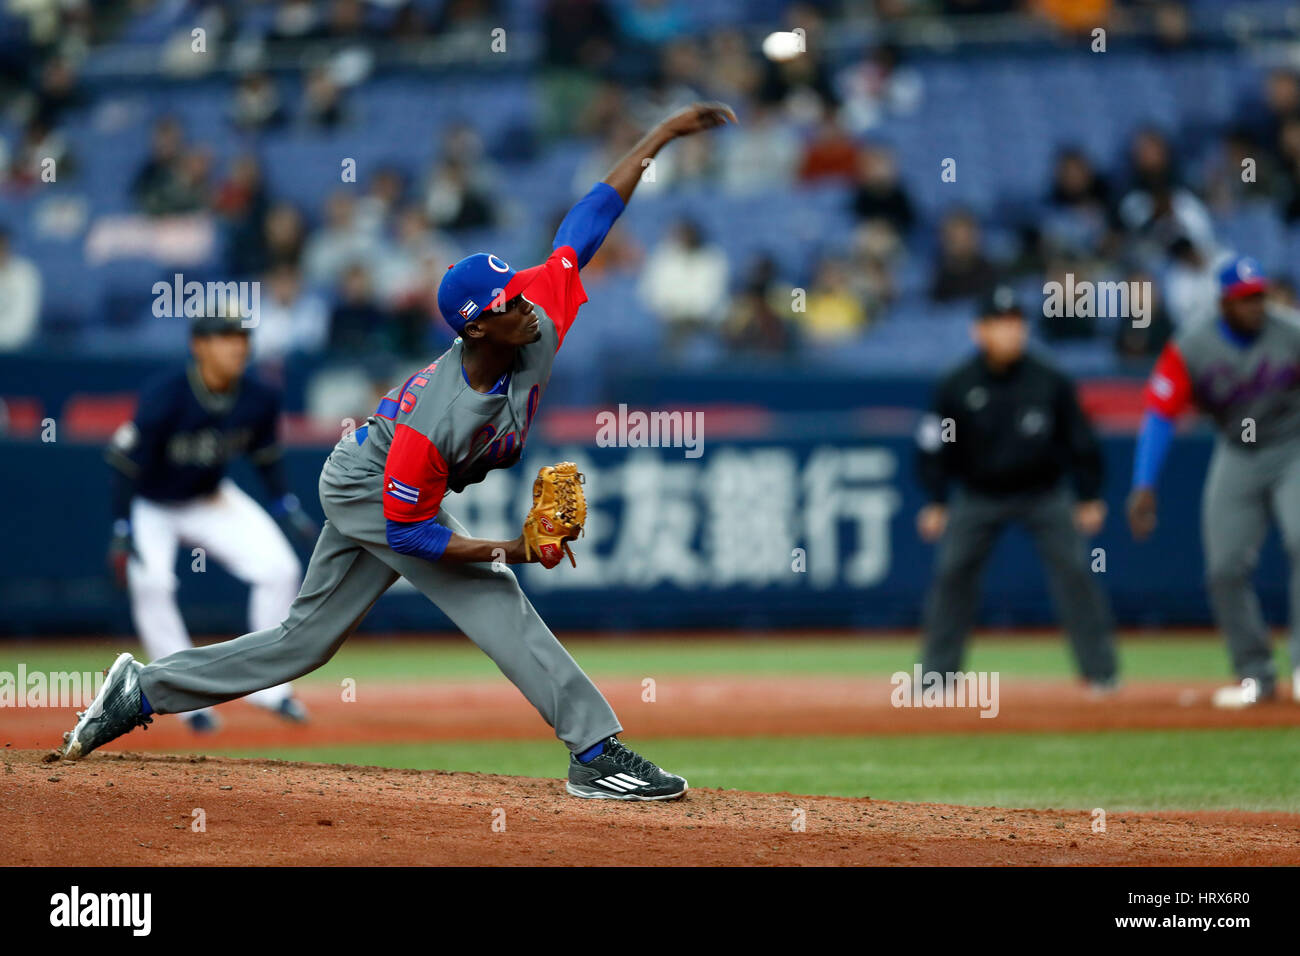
(1245, 491)
(975, 522)
(350, 568)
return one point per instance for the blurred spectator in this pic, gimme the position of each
(833, 313)
(876, 86)
(760, 316)
(830, 154)
(454, 202)
(358, 325)
(734, 72)
(241, 200)
(345, 19)
(322, 100)
(172, 180)
(296, 20)
(1191, 290)
(875, 264)
(605, 108)
(1158, 210)
(962, 268)
(1079, 207)
(383, 194)
(290, 319)
(256, 105)
(58, 91)
(1172, 25)
(879, 193)
(1281, 102)
(407, 280)
(685, 282)
(801, 87)
(1142, 344)
(20, 298)
(41, 147)
(340, 242)
(677, 72)
(761, 153)
(1225, 189)
(284, 236)
(412, 266)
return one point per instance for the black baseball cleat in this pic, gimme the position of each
(621, 774)
(114, 711)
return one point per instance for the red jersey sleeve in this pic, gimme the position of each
(415, 477)
(558, 290)
(1169, 389)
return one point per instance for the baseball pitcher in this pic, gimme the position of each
(382, 490)
(1243, 369)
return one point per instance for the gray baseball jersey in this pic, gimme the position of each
(436, 434)
(1235, 379)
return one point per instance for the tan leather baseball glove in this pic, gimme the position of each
(559, 511)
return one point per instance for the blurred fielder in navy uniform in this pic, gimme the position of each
(169, 488)
(1008, 431)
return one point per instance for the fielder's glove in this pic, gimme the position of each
(559, 511)
(295, 520)
(121, 549)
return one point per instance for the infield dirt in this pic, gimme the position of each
(133, 809)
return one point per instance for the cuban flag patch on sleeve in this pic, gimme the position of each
(403, 492)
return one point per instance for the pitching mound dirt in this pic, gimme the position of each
(134, 809)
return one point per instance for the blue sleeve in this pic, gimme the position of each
(1153, 443)
(423, 539)
(589, 221)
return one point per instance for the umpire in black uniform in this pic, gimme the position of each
(1008, 432)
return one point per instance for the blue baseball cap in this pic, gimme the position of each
(1241, 276)
(472, 287)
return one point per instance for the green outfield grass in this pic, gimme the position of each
(1129, 770)
(1169, 656)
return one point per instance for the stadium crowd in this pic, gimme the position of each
(355, 272)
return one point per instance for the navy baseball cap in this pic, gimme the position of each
(215, 323)
(472, 287)
(1240, 277)
(999, 301)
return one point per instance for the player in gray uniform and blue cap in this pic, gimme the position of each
(1243, 370)
(382, 490)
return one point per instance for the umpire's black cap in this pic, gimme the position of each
(999, 301)
(216, 324)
